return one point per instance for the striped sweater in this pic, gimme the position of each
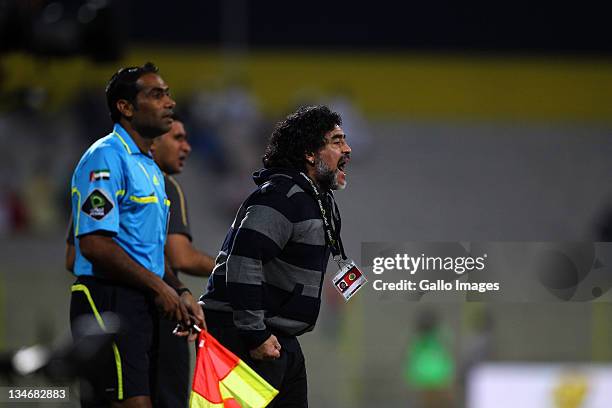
(270, 269)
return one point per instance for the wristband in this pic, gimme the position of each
(180, 291)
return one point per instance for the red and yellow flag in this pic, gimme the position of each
(222, 380)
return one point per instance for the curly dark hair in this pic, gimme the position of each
(122, 85)
(300, 133)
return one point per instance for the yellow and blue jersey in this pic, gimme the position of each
(118, 190)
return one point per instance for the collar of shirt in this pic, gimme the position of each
(127, 141)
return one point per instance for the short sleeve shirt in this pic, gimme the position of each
(118, 190)
(179, 219)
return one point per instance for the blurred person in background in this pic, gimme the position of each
(265, 289)
(120, 213)
(170, 152)
(429, 366)
(229, 119)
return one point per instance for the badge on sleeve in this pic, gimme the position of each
(349, 279)
(96, 175)
(97, 205)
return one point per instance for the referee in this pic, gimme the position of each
(120, 213)
(170, 353)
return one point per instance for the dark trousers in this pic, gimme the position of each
(171, 360)
(287, 374)
(123, 370)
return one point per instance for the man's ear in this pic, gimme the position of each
(125, 108)
(310, 158)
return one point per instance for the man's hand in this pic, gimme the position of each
(194, 309)
(268, 350)
(170, 305)
(196, 313)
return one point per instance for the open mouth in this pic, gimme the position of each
(340, 176)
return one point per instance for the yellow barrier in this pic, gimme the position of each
(415, 86)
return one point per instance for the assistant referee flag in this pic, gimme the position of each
(222, 380)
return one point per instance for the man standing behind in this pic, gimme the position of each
(170, 152)
(265, 289)
(120, 215)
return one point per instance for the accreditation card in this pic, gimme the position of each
(349, 279)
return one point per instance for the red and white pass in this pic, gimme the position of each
(349, 279)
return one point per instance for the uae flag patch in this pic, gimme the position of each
(96, 175)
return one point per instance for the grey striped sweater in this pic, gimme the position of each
(270, 269)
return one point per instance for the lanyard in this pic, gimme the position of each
(331, 236)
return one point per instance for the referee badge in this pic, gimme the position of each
(97, 205)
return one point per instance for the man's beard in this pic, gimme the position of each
(326, 177)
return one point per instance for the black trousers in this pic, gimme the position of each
(171, 367)
(123, 370)
(287, 374)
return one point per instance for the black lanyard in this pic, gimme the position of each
(332, 235)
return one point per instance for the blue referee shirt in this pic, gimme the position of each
(119, 190)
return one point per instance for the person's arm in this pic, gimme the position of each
(185, 258)
(181, 253)
(113, 263)
(70, 257)
(263, 232)
(70, 253)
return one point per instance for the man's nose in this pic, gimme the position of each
(170, 103)
(346, 148)
(187, 147)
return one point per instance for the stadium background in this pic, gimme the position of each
(467, 123)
